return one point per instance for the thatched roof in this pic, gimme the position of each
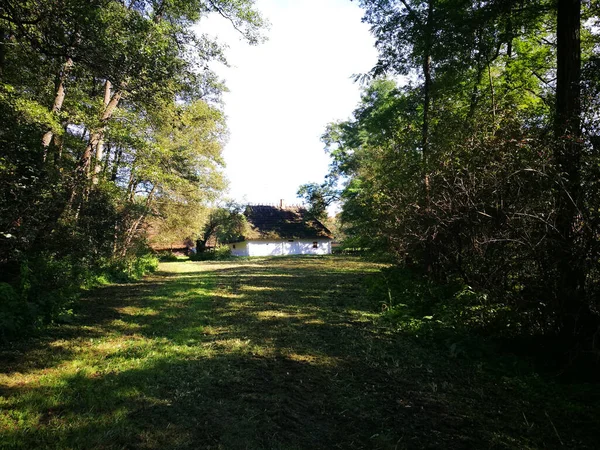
(271, 222)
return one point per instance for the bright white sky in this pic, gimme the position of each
(285, 91)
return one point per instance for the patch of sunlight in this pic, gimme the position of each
(136, 311)
(180, 267)
(314, 322)
(258, 275)
(273, 314)
(99, 357)
(122, 325)
(111, 346)
(314, 360)
(214, 331)
(206, 266)
(232, 345)
(200, 277)
(227, 295)
(240, 306)
(259, 289)
(180, 295)
(365, 314)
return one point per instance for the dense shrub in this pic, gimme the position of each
(415, 304)
(11, 310)
(220, 254)
(167, 256)
(47, 287)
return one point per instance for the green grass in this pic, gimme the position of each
(279, 353)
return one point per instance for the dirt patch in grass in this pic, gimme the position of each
(281, 353)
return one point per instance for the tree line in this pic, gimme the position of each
(473, 155)
(110, 122)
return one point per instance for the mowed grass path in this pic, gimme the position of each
(280, 353)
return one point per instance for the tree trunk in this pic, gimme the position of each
(428, 38)
(571, 306)
(106, 162)
(100, 143)
(97, 135)
(426, 96)
(2, 51)
(116, 164)
(493, 95)
(58, 102)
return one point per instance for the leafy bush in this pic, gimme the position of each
(11, 308)
(50, 286)
(220, 254)
(47, 288)
(127, 269)
(167, 256)
(417, 305)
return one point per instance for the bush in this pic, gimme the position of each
(11, 308)
(50, 287)
(417, 305)
(220, 254)
(123, 270)
(47, 288)
(167, 256)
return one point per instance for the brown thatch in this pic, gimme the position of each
(270, 222)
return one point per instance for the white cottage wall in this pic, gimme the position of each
(265, 248)
(280, 248)
(295, 247)
(239, 249)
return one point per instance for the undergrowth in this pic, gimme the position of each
(471, 324)
(46, 288)
(219, 254)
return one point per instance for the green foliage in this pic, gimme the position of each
(167, 256)
(48, 288)
(457, 174)
(221, 253)
(110, 126)
(128, 269)
(11, 310)
(416, 305)
(224, 224)
(318, 197)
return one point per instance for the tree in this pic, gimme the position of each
(110, 120)
(226, 223)
(497, 142)
(319, 197)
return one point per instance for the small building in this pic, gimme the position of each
(279, 231)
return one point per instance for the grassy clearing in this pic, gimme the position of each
(282, 353)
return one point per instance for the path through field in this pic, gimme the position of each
(283, 353)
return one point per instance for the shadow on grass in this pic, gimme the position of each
(279, 353)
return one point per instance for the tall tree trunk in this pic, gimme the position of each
(428, 38)
(100, 144)
(2, 51)
(106, 162)
(116, 164)
(475, 92)
(426, 95)
(571, 274)
(59, 99)
(97, 135)
(492, 94)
